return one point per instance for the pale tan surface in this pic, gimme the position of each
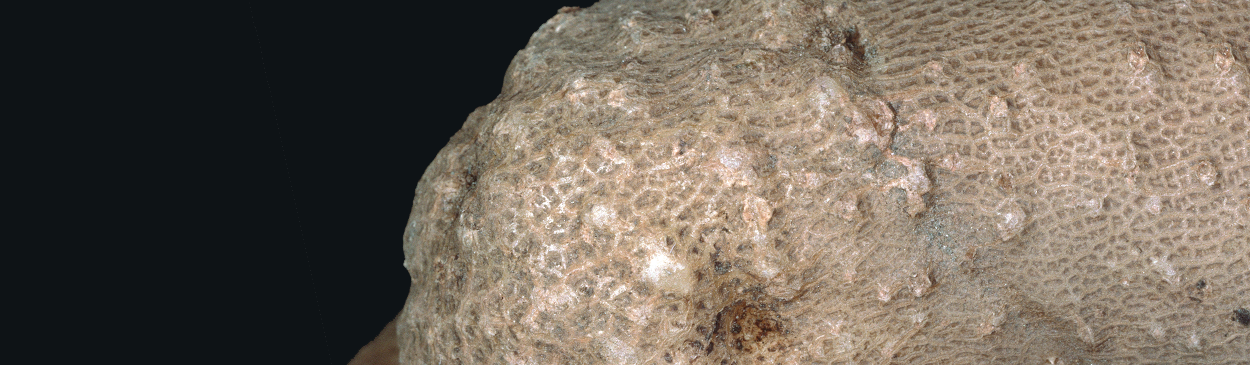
(878, 182)
(383, 350)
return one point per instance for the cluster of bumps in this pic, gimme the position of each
(798, 181)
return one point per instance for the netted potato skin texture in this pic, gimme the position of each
(716, 182)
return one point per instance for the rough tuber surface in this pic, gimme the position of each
(690, 182)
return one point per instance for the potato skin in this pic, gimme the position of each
(806, 181)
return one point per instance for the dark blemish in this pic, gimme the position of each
(720, 267)
(470, 179)
(1242, 316)
(1097, 347)
(715, 329)
(854, 43)
(1196, 293)
(668, 357)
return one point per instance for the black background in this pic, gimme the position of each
(363, 97)
(249, 168)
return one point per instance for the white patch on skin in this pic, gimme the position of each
(732, 166)
(929, 120)
(731, 160)
(1156, 331)
(847, 207)
(1011, 218)
(549, 300)
(1091, 204)
(619, 289)
(884, 292)
(619, 351)
(920, 284)
(602, 216)
(1153, 205)
(915, 183)
(1164, 267)
(1085, 333)
(668, 275)
(766, 268)
(660, 265)
(951, 162)
(756, 212)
